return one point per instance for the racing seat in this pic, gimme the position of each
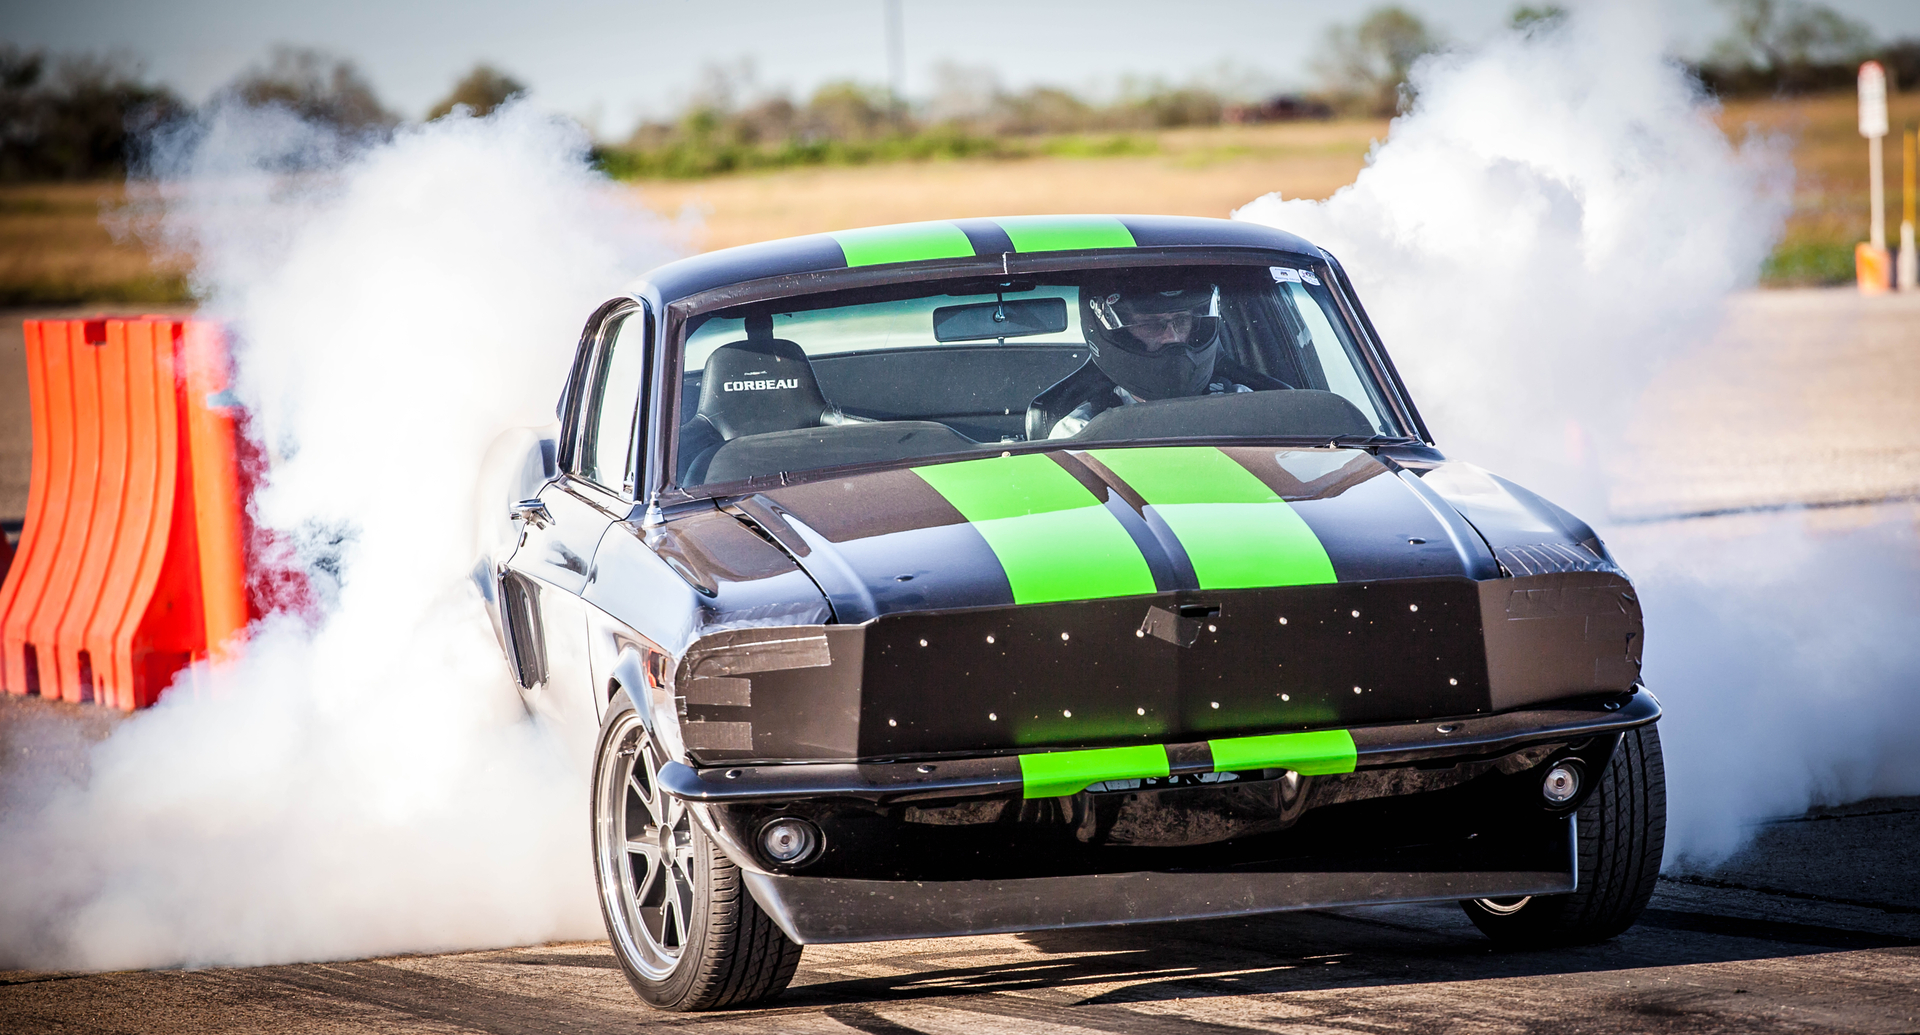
(1059, 400)
(752, 387)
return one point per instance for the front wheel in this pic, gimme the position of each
(686, 931)
(1622, 833)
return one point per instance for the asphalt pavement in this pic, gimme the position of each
(1814, 928)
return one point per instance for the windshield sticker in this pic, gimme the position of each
(1289, 275)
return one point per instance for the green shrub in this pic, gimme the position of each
(1809, 261)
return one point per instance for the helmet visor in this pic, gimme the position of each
(1153, 320)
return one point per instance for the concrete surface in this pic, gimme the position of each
(1802, 397)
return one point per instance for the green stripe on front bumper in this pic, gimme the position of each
(1053, 538)
(1316, 753)
(1237, 532)
(1054, 774)
(1065, 233)
(908, 242)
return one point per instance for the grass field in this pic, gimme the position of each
(55, 250)
(1830, 206)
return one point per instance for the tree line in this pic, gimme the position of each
(69, 117)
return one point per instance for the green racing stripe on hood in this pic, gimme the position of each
(907, 242)
(1053, 774)
(1315, 753)
(1236, 531)
(1065, 233)
(1053, 538)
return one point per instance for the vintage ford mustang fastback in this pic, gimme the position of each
(995, 575)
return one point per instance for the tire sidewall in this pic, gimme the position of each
(672, 991)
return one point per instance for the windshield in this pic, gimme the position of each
(956, 367)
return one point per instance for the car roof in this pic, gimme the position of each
(956, 239)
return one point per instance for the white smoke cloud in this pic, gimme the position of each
(1555, 218)
(368, 781)
(1556, 215)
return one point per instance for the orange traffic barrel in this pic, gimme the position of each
(132, 556)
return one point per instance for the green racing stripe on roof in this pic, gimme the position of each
(1052, 774)
(1053, 538)
(1065, 233)
(1315, 753)
(1237, 532)
(907, 242)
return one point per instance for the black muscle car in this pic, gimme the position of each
(996, 575)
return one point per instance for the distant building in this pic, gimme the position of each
(1287, 107)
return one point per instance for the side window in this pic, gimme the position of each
(613, 404)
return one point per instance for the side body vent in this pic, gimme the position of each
(520, 607)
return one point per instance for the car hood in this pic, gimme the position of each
(1085, 598)
(1037, 528)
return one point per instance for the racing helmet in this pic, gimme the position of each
(1155, 337)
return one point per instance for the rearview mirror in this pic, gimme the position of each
(1010, 318)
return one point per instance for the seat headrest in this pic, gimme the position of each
(759, 385)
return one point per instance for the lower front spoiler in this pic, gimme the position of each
(822, 910)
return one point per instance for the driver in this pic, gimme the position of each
(1151, 339)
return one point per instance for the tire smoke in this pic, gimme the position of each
(1555, 218)
(362, 779)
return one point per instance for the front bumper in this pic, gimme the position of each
(1399, 744)
(813, 910)
(1440, 810)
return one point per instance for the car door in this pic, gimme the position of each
(594, 488)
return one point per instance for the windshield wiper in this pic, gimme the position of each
(1370, 441)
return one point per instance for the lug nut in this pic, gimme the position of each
(1562, 782)
(789, 840)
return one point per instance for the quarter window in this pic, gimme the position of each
(613, 405)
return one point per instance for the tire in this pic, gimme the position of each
(1622, 833)
(685, 930)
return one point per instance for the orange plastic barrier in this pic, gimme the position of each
(1873, 268)
(132, 557)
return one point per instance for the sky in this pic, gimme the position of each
(611, 64)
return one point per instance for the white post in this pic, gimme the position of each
(1877, 236)
(1870, 260)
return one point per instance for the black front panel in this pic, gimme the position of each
(1087, 673)
(1411, 822)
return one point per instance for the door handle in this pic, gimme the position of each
(533, 512)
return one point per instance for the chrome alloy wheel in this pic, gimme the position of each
(1503, 906)
(643, 845)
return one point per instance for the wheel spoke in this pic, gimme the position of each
(640, 796)
(655, 883)
(682, 908)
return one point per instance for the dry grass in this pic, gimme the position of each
(1202, 172)
(54, 250)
